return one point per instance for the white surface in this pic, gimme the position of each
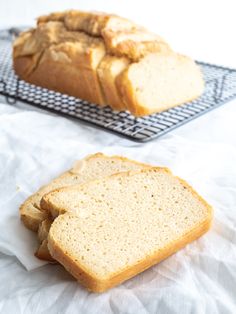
(36, 146)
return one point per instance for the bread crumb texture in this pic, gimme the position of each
(90, 168)
(114, 224)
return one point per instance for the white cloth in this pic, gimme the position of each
(36, 146)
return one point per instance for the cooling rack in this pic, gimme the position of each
(220, 88)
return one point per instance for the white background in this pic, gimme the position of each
(36, 146)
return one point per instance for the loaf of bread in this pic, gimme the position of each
(111, 229)
(106, 60)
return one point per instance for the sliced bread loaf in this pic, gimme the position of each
(72, 45)
(90, 168)
(116, 227)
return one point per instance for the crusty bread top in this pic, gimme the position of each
(121, 36)
(115, 223)
(92, 23)
(99, 166)
(51, 34)
(133, 44)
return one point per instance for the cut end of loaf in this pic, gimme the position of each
(159, 82)
(125, 224)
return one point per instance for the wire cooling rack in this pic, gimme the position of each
(220, 88)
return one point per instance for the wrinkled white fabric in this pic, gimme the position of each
(36, 146)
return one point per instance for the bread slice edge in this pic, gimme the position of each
(94, 284)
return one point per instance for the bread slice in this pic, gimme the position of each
(158, 82)
(90, 168)
(109, 69)
(116, 227)
(42, 252)
(30, 213)
(44, 229)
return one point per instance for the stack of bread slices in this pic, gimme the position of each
(110, 218)
(106, 60)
